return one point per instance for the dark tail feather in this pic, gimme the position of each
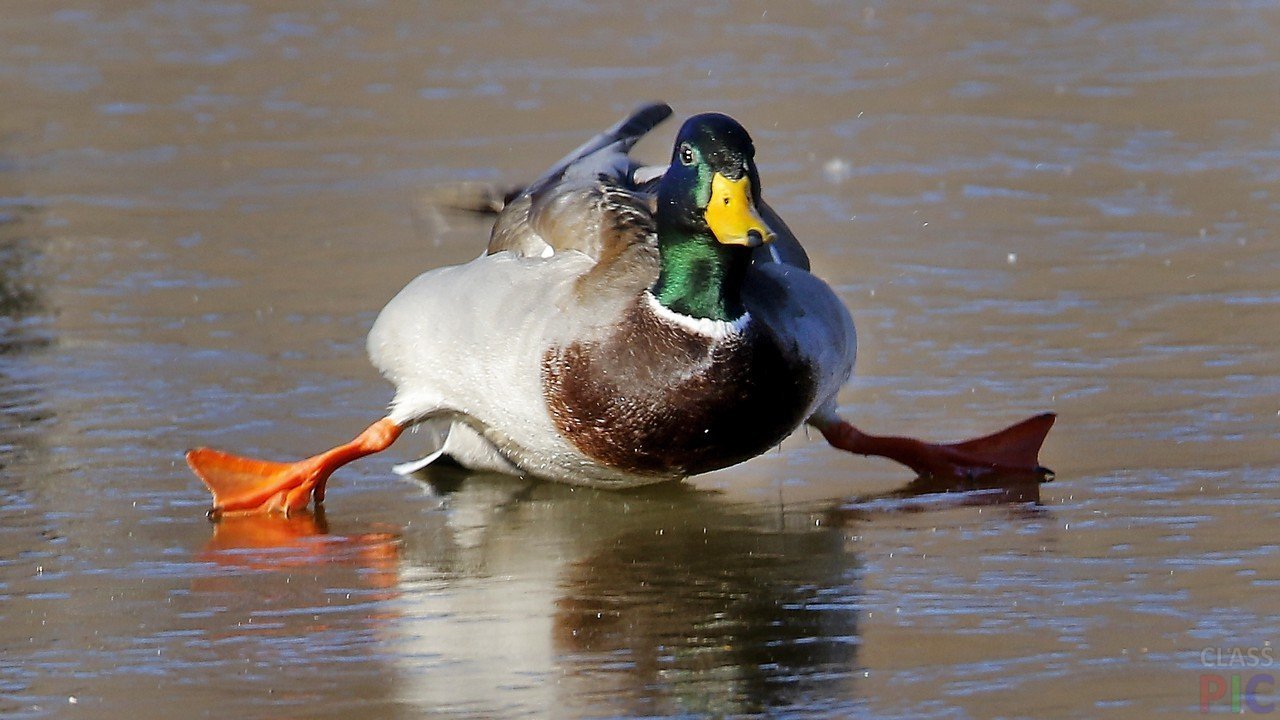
(625, 133)
(636, 125)
(491, 198)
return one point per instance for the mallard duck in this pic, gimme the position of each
(627, 325)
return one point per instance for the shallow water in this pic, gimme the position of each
(1066, 206)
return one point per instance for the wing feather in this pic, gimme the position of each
(588, 201)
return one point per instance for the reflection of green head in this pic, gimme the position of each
(707, 218)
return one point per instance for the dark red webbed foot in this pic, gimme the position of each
(1011, 453)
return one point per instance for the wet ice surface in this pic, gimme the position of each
(1067, 207)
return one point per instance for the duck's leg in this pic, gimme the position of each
(245, 485)
(1012, 453)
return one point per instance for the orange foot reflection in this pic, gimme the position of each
(274, 542)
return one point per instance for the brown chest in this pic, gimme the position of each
(657, 397)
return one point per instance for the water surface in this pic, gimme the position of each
(1065, 206)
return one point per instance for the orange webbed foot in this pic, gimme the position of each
(246, 485)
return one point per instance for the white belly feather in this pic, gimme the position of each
(465, 344)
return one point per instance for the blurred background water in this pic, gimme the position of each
(1060, 205)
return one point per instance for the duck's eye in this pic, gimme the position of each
(686, 154)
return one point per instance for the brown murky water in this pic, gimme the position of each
(1069, 206)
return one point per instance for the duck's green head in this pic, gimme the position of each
(712, 186)
(707, 218)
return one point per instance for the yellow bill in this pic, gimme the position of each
(732, 216)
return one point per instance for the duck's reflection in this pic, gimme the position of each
(521, 597)
(662, 600)
(710, 617)
(924, 494)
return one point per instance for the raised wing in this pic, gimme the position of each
(589, 201)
